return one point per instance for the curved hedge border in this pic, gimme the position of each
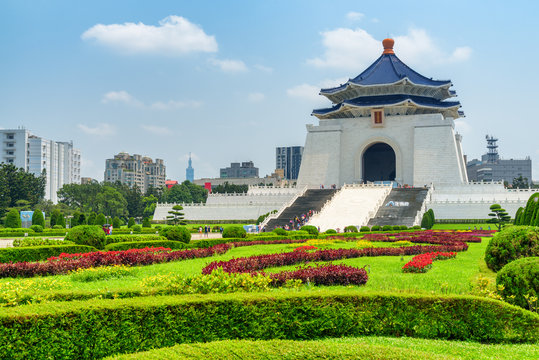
(174, 245)
(98, 328)
(40, 253)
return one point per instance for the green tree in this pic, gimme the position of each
(149, 202)
(520, 183)
(518, 216)
(229, 188)
(91, 218)
(13, 219)
(54, 217)
(185, 192)
(499, 216)
(81, 197)
(38, 219)
(60, 220)
(176, 216)
(529, 210)
(75, 219)
(111, 202)
(101, 220)
(131, 222)
(116, 222)
(17, 184)
(82, 219)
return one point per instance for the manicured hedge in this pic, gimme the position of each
(512, 243)
(20, 232)
(111, 239)
(98, 328)
(284, 350)
(520, 278)
(174, 245)
(40, 253)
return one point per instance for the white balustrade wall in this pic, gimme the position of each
(352, 205)
(473, 200)
(245, 206)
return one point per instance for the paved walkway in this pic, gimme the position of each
(197, 236)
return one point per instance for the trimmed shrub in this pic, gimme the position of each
(387, 227)
(403, 227)
(57, 227)
(350, 228)
(25, 242)
(279, 231)
(156, 322)
(520, 278)
(376, 228)
(37, 228)
(234, 232)
(396, 227)
(416, 227)
(60, 221)
(512, 243)
(91, 235)
(136, 228)
(40, 253)
(131, 222)
(38, 218)
(13, 219)
(146, 223)
(365, 229)
(169, 244)
(116, 222)
(178, 233)
(312, 230)
(91, 218)
(331, 231)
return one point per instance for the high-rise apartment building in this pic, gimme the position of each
(137, 170)
(59, 162)
(288, 158)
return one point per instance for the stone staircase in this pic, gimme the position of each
(312, 199)
(400, 213)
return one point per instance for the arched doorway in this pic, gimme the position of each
(379, 163)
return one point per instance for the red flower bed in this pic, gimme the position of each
(328, 274)
(422, 263)
(67, 262)
(306, 248)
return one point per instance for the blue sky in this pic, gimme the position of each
(231, 80)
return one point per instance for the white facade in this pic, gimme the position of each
(427, 150)
(59, 160)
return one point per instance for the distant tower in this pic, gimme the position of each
(492, 154)
(190, 172)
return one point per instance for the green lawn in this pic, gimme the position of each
(464, 226)
(341, 348)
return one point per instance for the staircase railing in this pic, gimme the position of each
(423, 209)
(300, 192)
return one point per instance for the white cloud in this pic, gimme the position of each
(354, 16)
(175, 35)
(463, 127)
(311, 93)
(263, 68)
(230, 66)
(120, 97)
(157, 130)
(256, 97)
(356, 49)
(171, 104)
(102, 129)
(126, 98)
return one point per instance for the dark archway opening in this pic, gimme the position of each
(379, 163)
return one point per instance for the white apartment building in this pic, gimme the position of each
(137, 170)
(60, 161)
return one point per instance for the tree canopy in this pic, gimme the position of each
(19, 185)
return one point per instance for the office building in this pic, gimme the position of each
(288, 158)
(245, 170)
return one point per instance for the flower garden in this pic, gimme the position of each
(354, 294)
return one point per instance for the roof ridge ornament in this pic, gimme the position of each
(388, 46)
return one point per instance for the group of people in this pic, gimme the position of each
(207, 230)
(107, 228)
(298, 221)
(332, 186)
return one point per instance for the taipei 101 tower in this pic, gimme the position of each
(190, 172)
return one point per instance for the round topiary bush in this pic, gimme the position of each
(37, 228)
(512, 243)
(350, 228)
(387, 227)
(178, 233)
(365, 229)
(280, 231)
(57, 227)
(376, 228)
(396, 227)
(312, 230)
(403, 227)
(91, 235)
(520, 278)
(416, 227)
(331, 231)
(136, 228)
(234, 232)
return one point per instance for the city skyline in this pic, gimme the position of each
(194, 80)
